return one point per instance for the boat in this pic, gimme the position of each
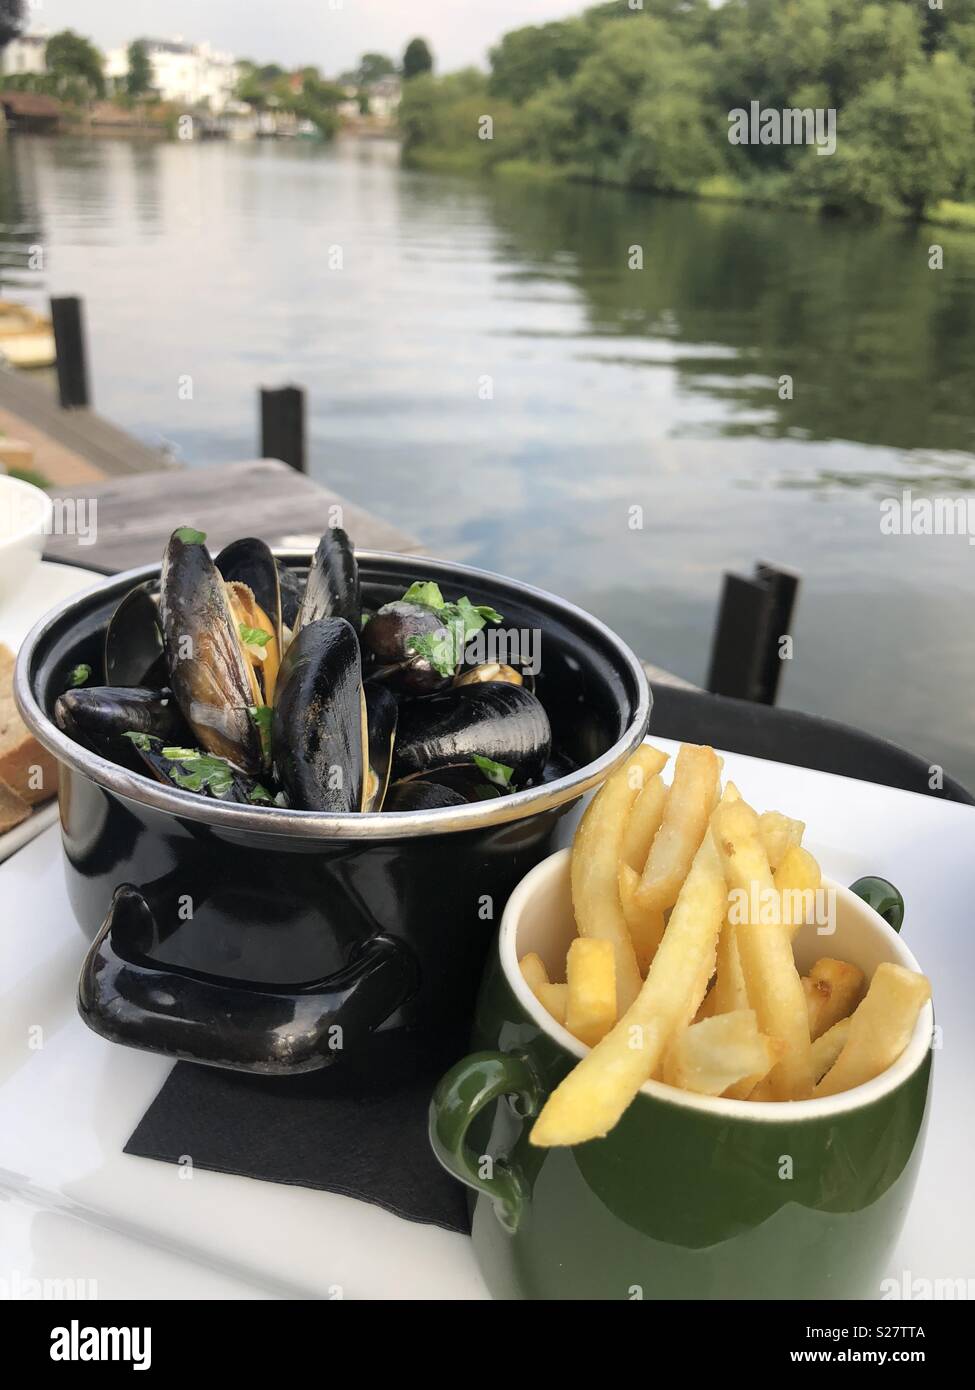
(26, 337)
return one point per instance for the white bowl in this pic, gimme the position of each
(25, 517)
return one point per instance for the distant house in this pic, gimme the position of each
(185, 74)
(30, 111)
(384, 97)
(25, 54)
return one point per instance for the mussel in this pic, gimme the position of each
(389, 637)
(249, 563)
(319, 734)
(212, 664)
(420, 795)
(102, 717)
(134, 652)
(502, 722)
(382, 715)
(192, 770)
(332, 590)
(489, 671)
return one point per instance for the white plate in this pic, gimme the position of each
(72, 1205)
(48, 585)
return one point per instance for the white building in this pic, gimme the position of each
(186, 74)
(25, 54)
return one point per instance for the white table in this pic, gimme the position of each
(72, 1205)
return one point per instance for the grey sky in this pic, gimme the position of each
(328, 33)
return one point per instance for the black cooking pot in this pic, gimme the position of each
(271, 940)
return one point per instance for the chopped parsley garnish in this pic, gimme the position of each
(424, 593)
(497, 773)
(445, 649)
(143, 741)
(253, 636)
(262, 716)
(79, 675)
(196, 772)
(189, 535)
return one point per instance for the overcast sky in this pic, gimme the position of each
(331, 34)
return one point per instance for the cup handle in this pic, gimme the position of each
(462, 1094)
(883, 897)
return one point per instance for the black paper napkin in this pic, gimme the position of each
(358, 1128)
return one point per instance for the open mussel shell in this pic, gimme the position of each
(211, 676)
(100, 717)
(134, 652)
(382, 714)
(489, 671)
(332, 590)
(250, 562)
(202, 774)
(319, 723)
(419, 794)
(505, 723)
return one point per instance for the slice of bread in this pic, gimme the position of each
(26, 767)
(13, 808)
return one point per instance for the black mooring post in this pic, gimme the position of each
(783, 586)
(69, 345)
(755, 614)
(283, 425)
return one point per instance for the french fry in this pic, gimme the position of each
(880, 1029)
(595, 865)
(594, 1095)
(590, 973)
(730, 991)
(771, 979)
(682, 829)
(710, 1056)
(643, 823)
(646, 928)
(798, 878)
(554, 998)
(533, 969)
(828, 1046)
(833, 989)
(779, 833)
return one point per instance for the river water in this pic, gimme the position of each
(487, 369)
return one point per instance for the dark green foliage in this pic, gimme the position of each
(641, 96)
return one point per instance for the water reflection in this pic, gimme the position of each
(485, 370)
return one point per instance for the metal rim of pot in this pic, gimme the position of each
(359, 825)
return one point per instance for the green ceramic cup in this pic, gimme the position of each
(689, 1196)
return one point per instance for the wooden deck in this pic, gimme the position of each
(107, 450)
(136, 515)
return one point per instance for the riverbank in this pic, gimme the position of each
(719, 189)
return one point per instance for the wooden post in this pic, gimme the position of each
(283, 425)
(69, 344)
(783, 586)
(754, 616)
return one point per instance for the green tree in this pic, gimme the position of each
(139, 79)
(526, 59)
(372, 68)
(69, 56)
(11, 20)
(417, 59)
(904, 143)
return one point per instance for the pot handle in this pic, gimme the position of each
(883, 897)
(462, 1094)
(204, 1018)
